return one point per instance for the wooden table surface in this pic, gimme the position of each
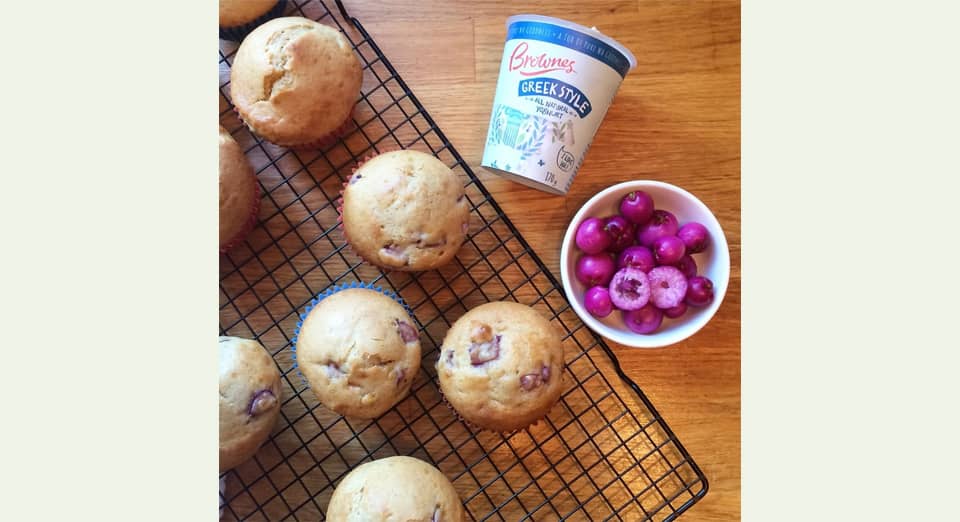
(676, 118)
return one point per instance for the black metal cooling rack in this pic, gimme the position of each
(603, 453)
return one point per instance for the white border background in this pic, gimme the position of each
(850, 164)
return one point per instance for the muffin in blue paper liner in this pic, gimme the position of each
(357, 347)
(239, 17)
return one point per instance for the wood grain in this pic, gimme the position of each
(676, 118)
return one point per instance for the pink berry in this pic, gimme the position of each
(597, 301)
(637, 207)
(667, 250)
(637, 256)
(699, 291)
(620, 231)
(668, 287)
(695, 236)
(676, 311)
(595, 269)
(629, 289)
(591, 238)
(662, 223)
(687, 265)
(645, 320)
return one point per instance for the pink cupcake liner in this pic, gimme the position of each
(248, 226)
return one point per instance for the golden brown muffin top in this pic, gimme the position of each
(295, 81)
(405, 210)
(396, 489)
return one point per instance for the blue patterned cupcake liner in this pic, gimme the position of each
(327, 293)
(240, 32)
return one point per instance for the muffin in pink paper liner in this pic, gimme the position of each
(239, 193)
(358, 348)
(295, 82)
(500, 366)
(405, 210)
(239, 17)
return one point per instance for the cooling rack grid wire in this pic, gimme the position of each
(603, 453)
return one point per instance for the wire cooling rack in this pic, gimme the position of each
(603, 453)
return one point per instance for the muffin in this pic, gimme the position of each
(295, 81)
(249, 399)
(405, 210)
(396, 488)
(500, 366)
(239, 193)
(239, 17)
(359, 351)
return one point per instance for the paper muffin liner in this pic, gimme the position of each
(332, 137)
(343, 228)
(248, 226)
(238, 33)
(468, 424)
(327, 293)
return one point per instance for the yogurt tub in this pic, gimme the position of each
(557, 79)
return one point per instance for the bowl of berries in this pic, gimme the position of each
(645, 264)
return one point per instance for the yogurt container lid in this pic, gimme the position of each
(591, 32)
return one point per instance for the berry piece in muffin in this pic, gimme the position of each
(295, 81)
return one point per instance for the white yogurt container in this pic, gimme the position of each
(557, 79)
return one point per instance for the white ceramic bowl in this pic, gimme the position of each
(714, 263)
